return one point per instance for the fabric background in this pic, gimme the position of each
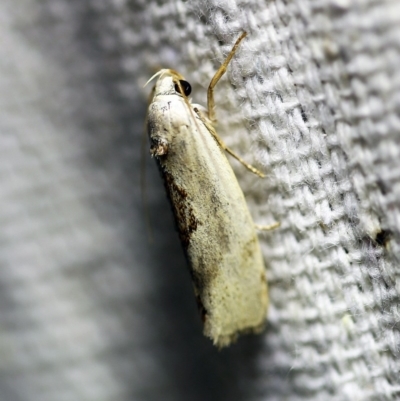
(89, 309)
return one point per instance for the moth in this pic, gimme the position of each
(215, 226)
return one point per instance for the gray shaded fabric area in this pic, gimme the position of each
(89, 309)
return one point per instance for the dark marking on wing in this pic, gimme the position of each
(159, 147)
(185, 218)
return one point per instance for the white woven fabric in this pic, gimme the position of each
(89, 309)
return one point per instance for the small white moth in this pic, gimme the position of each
(214, 223)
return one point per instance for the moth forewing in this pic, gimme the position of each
(214, 223)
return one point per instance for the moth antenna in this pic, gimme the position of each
(159, 73)
(187, 102)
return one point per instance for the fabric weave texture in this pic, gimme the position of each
(90, 309)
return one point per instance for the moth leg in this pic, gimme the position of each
(211, 105)
(221, 143)
(239, 159)
(220, 72)
(268, 227)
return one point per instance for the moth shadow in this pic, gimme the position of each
(158, 350)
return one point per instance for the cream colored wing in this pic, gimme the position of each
(214, 223)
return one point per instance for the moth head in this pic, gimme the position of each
(170, 82)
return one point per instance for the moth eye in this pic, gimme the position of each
(187, 89)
